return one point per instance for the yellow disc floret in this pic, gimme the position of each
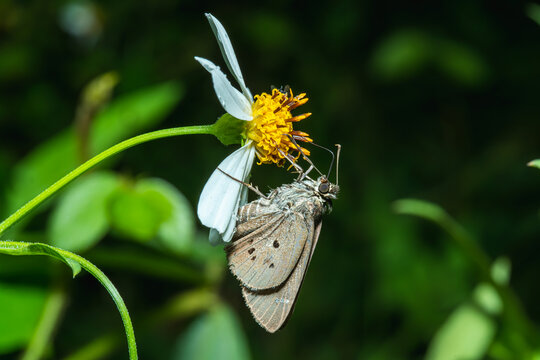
(272, 126)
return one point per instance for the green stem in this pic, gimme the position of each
(126, 144)
(77, 262)
(52, 311)
(104, 280)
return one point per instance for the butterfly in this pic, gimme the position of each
(274, 241)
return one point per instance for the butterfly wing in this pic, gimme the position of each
(272, 308)
(265, 257)
(251, 217)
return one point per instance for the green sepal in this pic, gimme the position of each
(229, 130)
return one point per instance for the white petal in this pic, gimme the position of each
(221, 196)
(244, 194)
(229, 231)
(217, 238)
(228, 53)
(231, 99)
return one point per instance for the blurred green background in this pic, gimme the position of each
(437, 101)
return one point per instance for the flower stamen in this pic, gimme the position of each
(272, 125)
(298, 117)
(297, 104)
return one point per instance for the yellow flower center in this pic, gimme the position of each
(272, 126)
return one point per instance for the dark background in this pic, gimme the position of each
(431, 100)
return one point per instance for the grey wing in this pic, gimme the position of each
(254, 209)
(253, 216)
(265, 257)
(272, 308)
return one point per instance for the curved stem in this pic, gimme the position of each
(104, 280)
(77, 262)
(126, 144)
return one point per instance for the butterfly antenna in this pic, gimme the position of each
(333, 157)
(337, 163)
(312, 165)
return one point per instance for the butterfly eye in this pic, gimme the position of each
(324, 187)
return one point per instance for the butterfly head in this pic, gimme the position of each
(326, 189)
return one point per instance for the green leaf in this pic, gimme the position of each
(153, 209)
(123, 117)
(420, 208)
(18, 248)
(500, 270)
(485, 295)
(132, 113)
(533, 11)
(488, 299)
(440, 217)
(20, 310)
(401, 54)
(461, 63)
(470, 329)
(534, 163)
(177, 230)
(467, 334)
(215, 335)
(45, 164)
(138, 214)
(457, 233)
(138, 260)
(80, 220)
(188, 304)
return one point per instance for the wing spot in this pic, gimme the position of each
(253, 258)
(271, 266)
(250, 251)
(276, 244)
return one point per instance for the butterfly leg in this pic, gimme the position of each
(311, 165)
(298, 168)
(301, 173)
(249, 186)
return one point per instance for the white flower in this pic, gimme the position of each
(222, 196)
(268, 133)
